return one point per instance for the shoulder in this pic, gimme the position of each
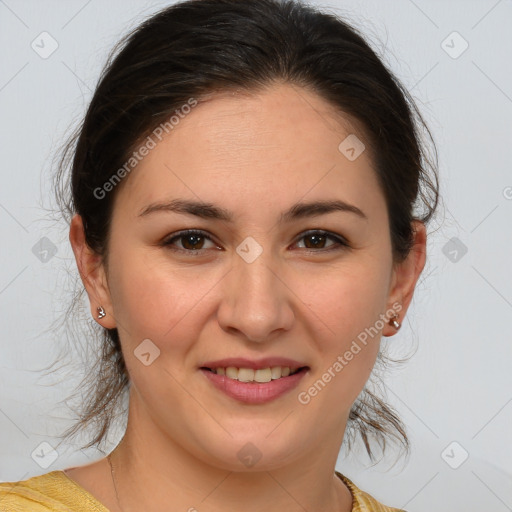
(362, 501)
(26, 494)
(53, 491)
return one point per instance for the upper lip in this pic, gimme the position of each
(241, 362)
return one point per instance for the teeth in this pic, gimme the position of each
(245, 375)
(231, 372)
(250, 375)
(276, 372)
(261, 375)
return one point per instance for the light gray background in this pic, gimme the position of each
(456, 388)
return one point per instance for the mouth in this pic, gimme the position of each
(254, 386)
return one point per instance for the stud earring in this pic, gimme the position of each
(101, 312)
(393, 322)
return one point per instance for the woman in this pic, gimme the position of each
(242, 197)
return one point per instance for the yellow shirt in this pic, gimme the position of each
(56, 492)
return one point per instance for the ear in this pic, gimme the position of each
(406, 274)
(92, 272)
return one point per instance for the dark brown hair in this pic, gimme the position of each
(196, 48)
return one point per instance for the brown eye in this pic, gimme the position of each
(316, 240)
(190, 241)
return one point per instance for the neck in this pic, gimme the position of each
(153, 472)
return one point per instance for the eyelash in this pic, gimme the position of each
(341, 243)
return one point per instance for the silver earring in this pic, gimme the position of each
(396, 324)
(101, 312)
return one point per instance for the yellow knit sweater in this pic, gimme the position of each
(56, 492)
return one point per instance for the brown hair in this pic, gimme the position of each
(198, 47)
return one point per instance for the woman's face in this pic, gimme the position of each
(254, 286)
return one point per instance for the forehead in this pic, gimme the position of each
(279, 144)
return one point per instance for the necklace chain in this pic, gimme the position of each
(114, 481)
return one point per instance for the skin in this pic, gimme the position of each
(255, 155)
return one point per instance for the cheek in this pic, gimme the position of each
(155, 300)
(345, 308)
(347, 299)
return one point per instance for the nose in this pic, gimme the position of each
(256, 300)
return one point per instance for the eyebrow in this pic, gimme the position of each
(211, 211)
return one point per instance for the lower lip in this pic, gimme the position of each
(254, 392)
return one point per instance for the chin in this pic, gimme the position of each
(252, 453)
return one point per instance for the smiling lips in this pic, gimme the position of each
(254, 382)
(247, 370)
